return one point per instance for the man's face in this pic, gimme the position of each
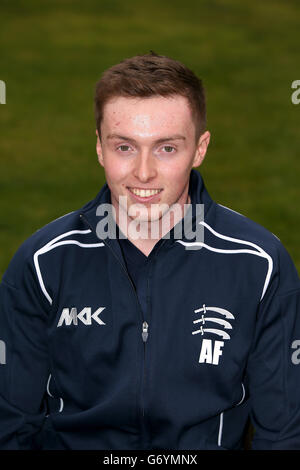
(148, 149)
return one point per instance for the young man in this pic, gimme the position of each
(160, 334)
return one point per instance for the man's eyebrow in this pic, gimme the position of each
(163, 139)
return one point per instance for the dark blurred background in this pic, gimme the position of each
(54, 51)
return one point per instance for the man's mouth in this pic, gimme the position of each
(144, 193)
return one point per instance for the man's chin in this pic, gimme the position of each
(145, 219)
(141, 215)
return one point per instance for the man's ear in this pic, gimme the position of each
(99, 149)
(201, 148)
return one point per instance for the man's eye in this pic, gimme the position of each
(168, 148)
(124, 148)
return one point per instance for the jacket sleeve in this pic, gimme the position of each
(273, 369)
(24, 359)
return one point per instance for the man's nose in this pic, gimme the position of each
(145, 168)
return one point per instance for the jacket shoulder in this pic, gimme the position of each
(245, 230)
(47, 234)
(237, 225)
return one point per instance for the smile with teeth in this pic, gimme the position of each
(144, 192)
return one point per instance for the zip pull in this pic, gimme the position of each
(145, 331)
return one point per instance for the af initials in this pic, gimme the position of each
(211, 351)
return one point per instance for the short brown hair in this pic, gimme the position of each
(151, 75)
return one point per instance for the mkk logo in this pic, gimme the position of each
(211, 350)
(70, 316)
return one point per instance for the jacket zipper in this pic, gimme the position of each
(145, 337)
(145, 331)
(145, 325)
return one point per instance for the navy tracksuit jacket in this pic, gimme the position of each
(87, 368)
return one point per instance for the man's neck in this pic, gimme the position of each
(147, 241)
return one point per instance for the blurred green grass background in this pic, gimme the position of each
(54, 51)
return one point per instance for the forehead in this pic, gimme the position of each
(154, 115)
